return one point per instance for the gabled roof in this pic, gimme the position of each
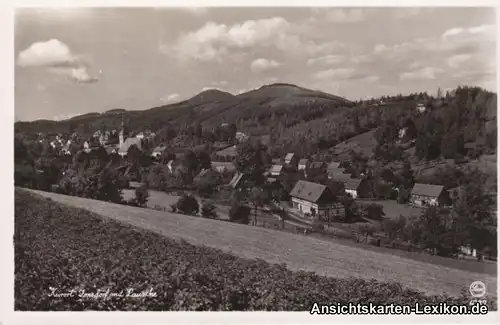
(352, 184)
(308, 191)
(236, 179)
(427, 190)
(230, 151)
(276, 168)
(128, 143)
(337, 174)
(303, 161)
(334, 165)
(289, 156)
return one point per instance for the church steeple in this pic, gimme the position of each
(122, 132)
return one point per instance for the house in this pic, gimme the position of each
(222, 167)
(172, 165)
(291, 159)
(467, 251)
(122, 151)
(158, 151)
(303, 164)
(111, 150)
(420, 108)
(66, 149)
(352, 186)
(230, 152)
(334, 165)
(426, 194)
(338, 174)
(276, 170)
(315, 199)
(241, 137)
(236, 181)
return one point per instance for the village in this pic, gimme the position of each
(311, 191)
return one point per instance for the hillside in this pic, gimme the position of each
(209, 107)
(298, 252)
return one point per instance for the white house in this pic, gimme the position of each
(276, 170)
(352, 186)
(426, 194)
(303, 164)
(315, 199)
(420, 108)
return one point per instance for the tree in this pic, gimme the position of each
(251, 161)
(208, 211)
(394, 227)
(187, 204)
(134, 154)
(407, 176)
(258, 197)
(204, 160)
(141, 196)
(433, 231)
(239, 213)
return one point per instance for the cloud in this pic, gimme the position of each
(343, 73)
(214, 40)
(49, 53)
(456, 60)
(169, 98)
(262, 64)
(57, 57)
(327, 59)
(475, 30)
(421, 74)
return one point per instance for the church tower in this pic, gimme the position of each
(122, 133)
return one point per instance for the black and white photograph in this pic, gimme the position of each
(328, 160)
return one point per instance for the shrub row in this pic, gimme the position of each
(68, 248)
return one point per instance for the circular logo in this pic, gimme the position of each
(477, 289)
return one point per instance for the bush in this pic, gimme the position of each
(141, 196)
(239, 213)
(109, 254)
(208, 211)
(187, 204)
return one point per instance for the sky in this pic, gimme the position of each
(71, 61)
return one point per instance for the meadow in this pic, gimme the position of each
(299, 253)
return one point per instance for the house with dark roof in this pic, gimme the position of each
(424, 195)
(303, 164)
(315, 200)
(352, 186)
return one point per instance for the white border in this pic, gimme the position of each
(7, 316)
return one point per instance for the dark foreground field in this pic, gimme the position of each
(61, 247)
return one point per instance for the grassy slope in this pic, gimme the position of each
(70, 248)
(299, 253)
